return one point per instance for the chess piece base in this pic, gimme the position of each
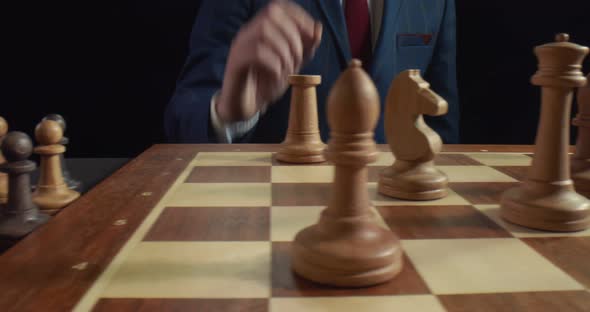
(52, 199)
(581, 175)
(582, 182)
(3, 188)
(413, 181)
(579, 165)
(303, 153)
(347, 252)
(563, 210)
(18, 226)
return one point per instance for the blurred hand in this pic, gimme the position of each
(276, 43)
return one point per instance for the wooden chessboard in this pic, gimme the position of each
(208, 228)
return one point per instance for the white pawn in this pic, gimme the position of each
(52, 193)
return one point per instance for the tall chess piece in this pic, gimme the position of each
(70, 181)
(3, 177)
(546, 200)
(303, 143)
(20, 215)
(581, 158)
(51, 193)
(413, 175)
(347, 247)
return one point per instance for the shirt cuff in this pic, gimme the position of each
(228, 132)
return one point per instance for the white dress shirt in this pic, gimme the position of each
(228, 132)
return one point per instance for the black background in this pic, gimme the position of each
(110, 67)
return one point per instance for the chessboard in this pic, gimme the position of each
(209, 228)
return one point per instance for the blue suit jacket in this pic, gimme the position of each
(400, 46)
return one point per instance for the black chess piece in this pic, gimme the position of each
(70, 181)
(19, 216)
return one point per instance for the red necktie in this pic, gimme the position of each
(358, 23)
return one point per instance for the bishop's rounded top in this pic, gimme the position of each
(353, 102)
(48, 132)
(17, 146)
(355, 63)
(560, 63)
(3, 127)
(57, 118)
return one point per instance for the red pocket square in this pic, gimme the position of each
(414, 39)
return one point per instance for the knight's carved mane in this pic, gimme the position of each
(408, 135)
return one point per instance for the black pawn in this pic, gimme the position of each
(20, 215)
(70, 182)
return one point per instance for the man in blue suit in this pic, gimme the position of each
(233, 88)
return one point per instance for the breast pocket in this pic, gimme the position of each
(414, 51)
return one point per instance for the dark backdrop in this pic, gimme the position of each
(496, 60)
(110, 67)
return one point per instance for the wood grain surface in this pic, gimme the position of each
(52, 268)
(575, 301)
(483, 192)
(563, 252)
(37, 274)
(211, 224)
(229, 174)
(165, 305)
(439, 222)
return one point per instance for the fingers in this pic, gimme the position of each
(273, 45)
(302, 32)
(287, 27)
(318, 30)
(266, 59)
(304, 22)
(274, 39)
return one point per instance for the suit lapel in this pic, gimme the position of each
(386, 41)
(332, 10)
